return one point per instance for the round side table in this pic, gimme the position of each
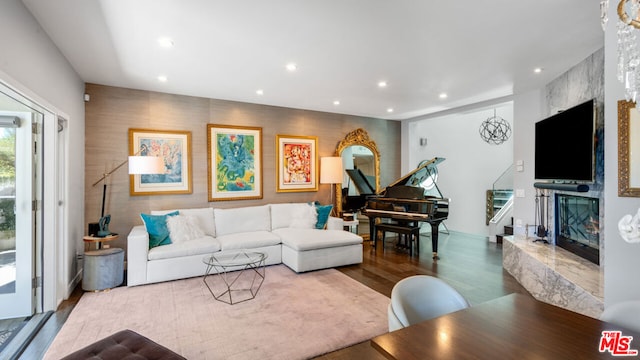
(88, 240)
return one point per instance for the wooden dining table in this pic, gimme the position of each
(515, 326)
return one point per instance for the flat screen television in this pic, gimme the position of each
(565, 145)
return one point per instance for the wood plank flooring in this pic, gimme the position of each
(469, 263)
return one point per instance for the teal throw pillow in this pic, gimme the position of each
(157, 228)
(323, 214)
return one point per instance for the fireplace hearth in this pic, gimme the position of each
(578, 226)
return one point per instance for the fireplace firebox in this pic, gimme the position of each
(578, 225)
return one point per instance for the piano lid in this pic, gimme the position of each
(418, 175)
(361, 182)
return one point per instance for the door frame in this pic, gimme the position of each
(22, 301)
(53, 249)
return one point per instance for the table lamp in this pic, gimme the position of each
(137, 165)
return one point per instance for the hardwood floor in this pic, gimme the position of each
(40, 343)
(469, 263)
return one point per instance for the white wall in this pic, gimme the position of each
(471, 166)
(622, 260)
(31, 64)
(527, 110)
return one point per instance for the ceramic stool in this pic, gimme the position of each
(103, 269)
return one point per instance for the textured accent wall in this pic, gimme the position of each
(112, 111)
(580, 83)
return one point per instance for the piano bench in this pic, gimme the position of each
(413, 233)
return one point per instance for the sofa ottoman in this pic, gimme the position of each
(124, 345)
(309, 249)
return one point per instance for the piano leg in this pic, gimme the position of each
(434, 239)
(372, 232)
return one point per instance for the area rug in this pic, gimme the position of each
(293, 316)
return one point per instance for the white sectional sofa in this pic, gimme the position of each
(287, 233)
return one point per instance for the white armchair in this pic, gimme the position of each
(422, 297)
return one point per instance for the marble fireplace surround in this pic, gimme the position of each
(554, 275)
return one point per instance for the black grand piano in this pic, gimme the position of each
(406, 202)
(365, 188)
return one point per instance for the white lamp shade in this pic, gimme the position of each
(331, 170)
(146, 165)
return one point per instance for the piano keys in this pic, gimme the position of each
(408, 203)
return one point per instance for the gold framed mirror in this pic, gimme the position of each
(357, 150)
(628, 149)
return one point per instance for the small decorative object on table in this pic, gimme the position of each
(104, 226)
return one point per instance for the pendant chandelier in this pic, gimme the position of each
(495, 130)
(628, 69)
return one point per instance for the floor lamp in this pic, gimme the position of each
(137, 165)
(331, 173)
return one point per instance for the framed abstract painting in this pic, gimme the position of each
(174, 147)
(234, 155)
(297, 163)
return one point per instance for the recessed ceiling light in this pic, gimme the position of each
(162, 78)
(292, 67)
(336, 102)
(382, 84)
(537, 70)
(389, 110)
(260, 92)
(165, 42)
(443, 95)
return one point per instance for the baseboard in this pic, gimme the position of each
(74, 282)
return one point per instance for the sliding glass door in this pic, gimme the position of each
(20, 201)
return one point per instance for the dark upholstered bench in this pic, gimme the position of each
(124, 345)
(410, 231)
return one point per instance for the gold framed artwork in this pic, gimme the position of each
(174, 147)
(234, 155)
(628, 149)
(297, 163)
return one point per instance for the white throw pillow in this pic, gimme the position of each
(203, 215)
(183, 228)
(306, 218)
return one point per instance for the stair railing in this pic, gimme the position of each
(505, 180)
(503, 216)
(503, 185)
(500, 219)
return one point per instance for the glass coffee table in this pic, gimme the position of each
(234, 276)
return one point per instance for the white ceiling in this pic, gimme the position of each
(471, 50)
